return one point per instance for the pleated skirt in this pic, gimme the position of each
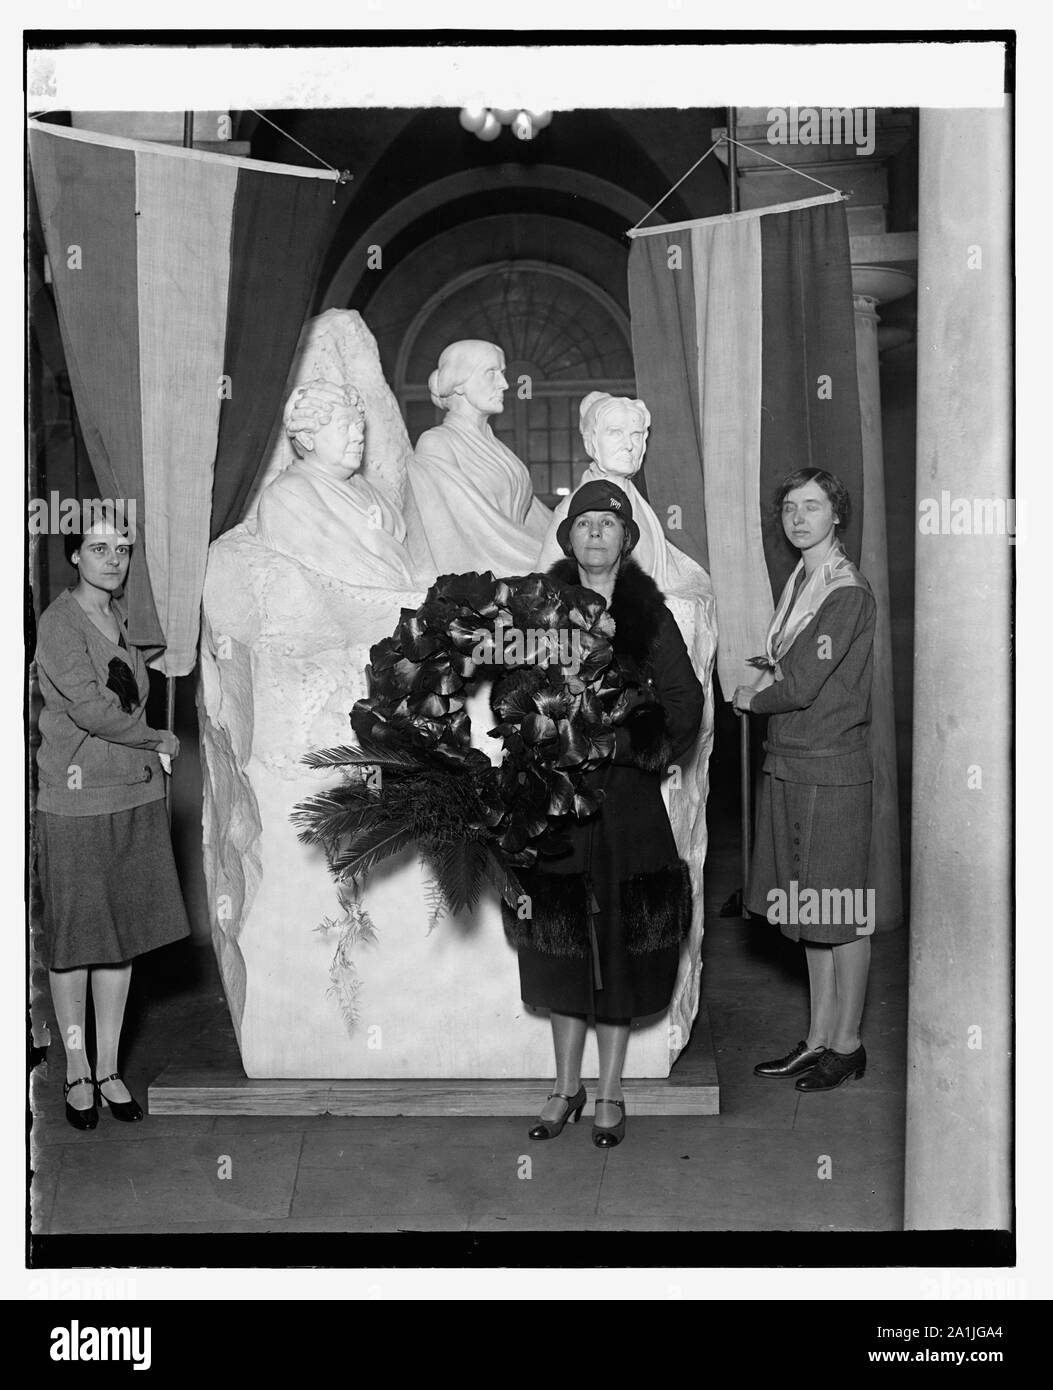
(109, 886)
(817, 838)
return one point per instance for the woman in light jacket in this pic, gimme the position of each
(814, 813)
(104, 855)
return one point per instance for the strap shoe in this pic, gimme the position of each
(607, 1136)
(550, 1129)
(128, 1110)
(80, 1119)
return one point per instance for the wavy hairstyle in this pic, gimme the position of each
(830, 483)
(302, 436)
(595, 406)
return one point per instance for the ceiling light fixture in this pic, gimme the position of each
(486, 122)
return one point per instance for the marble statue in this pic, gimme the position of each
(337, 347)
(475, 497)
(614, 431)
(321, 511)
(294, 597)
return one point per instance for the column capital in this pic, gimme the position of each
(879, 284)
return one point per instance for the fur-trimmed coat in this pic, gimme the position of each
(602, 928)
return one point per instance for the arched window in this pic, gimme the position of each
(562, 337)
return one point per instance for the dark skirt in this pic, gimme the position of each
(629, 838)
(567, 985)
(608, 982)
(109, 886)
(818, 838)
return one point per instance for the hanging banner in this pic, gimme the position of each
(744, 344)
(181, 281)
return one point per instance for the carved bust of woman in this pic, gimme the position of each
(321, 510)
(614, 431)
(473, 495)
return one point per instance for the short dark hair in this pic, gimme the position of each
(71, 543)
(830, 483)
(73, 540)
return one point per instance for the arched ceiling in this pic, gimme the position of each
(395, 156)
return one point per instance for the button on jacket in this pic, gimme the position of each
(820, 709)
(94, 757)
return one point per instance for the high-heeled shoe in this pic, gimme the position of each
(549, 1129)
(607, 1136)
(128, 1110)
(81, 1119)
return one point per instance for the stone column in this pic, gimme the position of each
(872, 286)
(959, 1076)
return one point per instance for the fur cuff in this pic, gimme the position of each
(656, 909)
(553, 919)
(656, 912)
(649, 744)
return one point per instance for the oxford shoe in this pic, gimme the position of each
(799, 1062)
(833, 1068)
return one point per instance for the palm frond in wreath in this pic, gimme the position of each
(414, 779)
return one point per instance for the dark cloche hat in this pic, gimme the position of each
(598, 496)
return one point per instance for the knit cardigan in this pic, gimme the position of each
(96, 753)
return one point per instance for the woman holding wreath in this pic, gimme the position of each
(604, 922)
(814, 813)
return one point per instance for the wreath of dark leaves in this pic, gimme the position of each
(415, 779)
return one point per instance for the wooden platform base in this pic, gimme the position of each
(213, 1083)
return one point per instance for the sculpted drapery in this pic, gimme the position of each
(321, 511)
(473, 495)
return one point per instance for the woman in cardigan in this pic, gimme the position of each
(813, 820)
(104, 856)
(606, 920)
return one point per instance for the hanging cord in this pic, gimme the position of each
(727, 140)
(676, 185)
(343, 175)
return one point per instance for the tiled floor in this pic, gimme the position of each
(773, 1160)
